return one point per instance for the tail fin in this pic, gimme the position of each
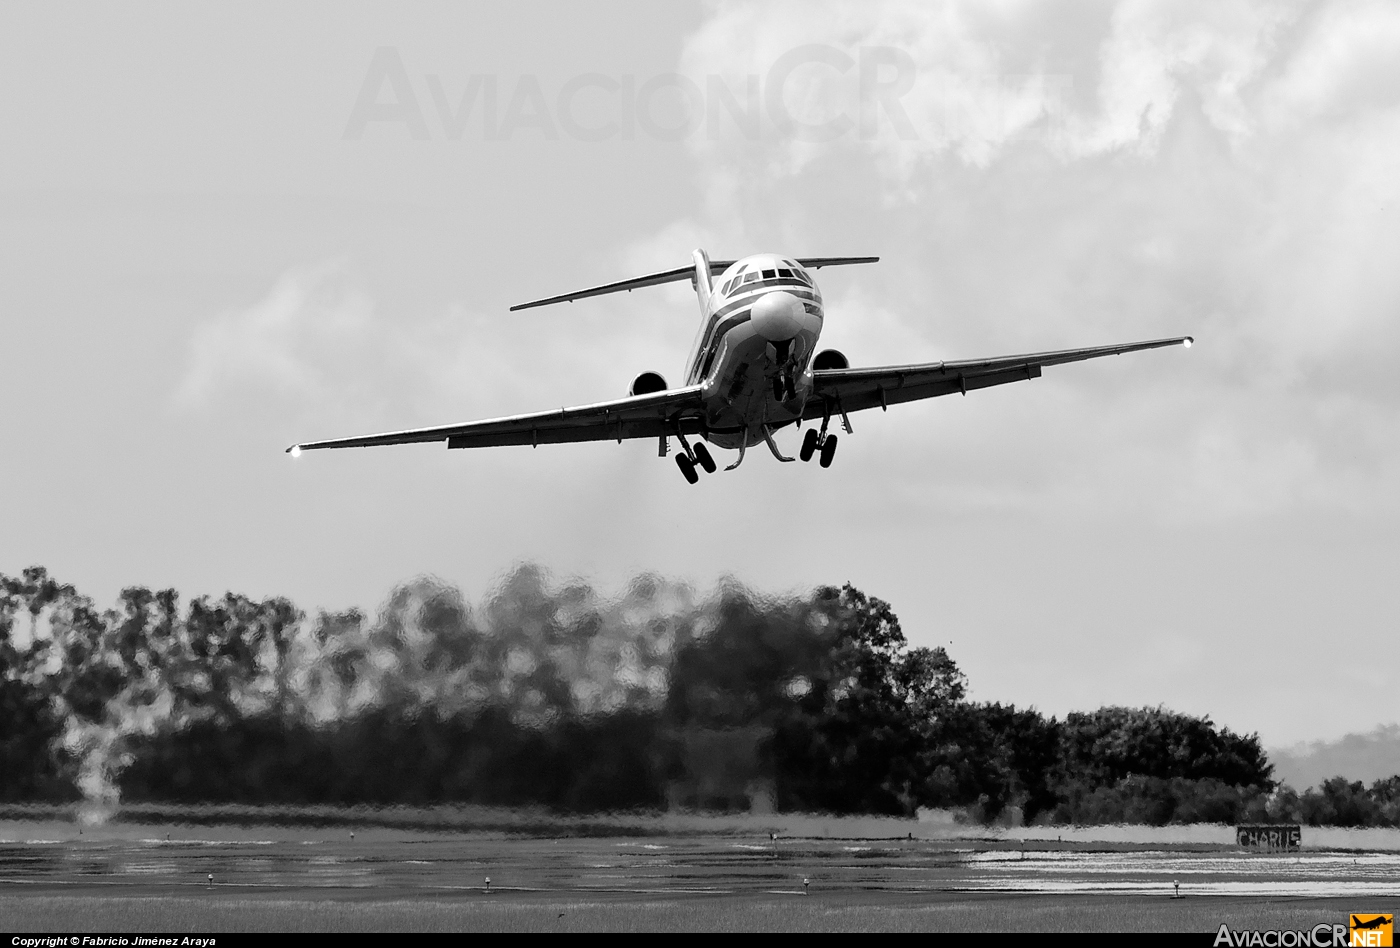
(703, 287)
(702, 265)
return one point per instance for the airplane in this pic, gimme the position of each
(1377, 922)
(754, 369)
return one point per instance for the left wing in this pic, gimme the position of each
(638, 416)
(854, 389)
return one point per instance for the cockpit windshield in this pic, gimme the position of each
(770, 277)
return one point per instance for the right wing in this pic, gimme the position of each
(637, 416)
(855, 389)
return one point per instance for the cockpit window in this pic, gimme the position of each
(785, 272)
(769, 274)
(752, 276)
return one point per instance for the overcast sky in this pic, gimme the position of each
(227, 229)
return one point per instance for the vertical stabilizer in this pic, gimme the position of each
(703, 286)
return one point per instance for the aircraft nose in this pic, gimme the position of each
(778, 316)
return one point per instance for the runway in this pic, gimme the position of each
(391, 863)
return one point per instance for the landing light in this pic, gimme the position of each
(296, 451)
(1187, 342)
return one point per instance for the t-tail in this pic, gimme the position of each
(703, 287)
(700, 272)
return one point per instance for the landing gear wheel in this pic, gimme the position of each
(702, 455)
(687, 468)
(809, 445)
(828, 450)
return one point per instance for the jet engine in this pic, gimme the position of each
(830, 359)
(646, 383)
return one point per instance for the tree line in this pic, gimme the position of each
(554, 696)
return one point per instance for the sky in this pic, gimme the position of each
(227, 229)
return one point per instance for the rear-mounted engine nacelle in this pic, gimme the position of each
(830, 359)
(646, 383)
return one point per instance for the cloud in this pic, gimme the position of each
(311, 328)
(1081, 174)
(318, 347)
(1094, 173)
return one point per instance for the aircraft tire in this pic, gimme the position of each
(809, 445)
(687, 468)
(702, 454)
(828, 450)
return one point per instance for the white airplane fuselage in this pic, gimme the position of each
(753, 355)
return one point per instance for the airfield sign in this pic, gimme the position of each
(1271, 836)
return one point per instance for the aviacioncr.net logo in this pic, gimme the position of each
(1373, 930)
(1319, 936)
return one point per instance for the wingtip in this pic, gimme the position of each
(1188, 341)
(294, 451)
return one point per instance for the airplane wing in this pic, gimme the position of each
(638, 416)
(855, 389)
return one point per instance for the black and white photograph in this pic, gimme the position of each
(718, 465)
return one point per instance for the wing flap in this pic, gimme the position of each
(857, 389)
(639, 416)
(617, 428)
(877, 392)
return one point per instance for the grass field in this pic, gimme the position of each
(843, 913)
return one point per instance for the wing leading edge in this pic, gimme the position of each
(659, 413)
(856, 389)
(639, 416)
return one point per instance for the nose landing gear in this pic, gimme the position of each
(784, 388)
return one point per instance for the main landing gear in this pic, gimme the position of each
(687, 467)
(814, 443)
(693, 456)
(702, 457)
(821, 443)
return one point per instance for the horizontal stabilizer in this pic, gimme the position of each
(676, 275)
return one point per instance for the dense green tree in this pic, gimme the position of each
(1385, 794)
(1107, 745)
(851, 741)
(993, 756)
(556, 697)
(1339, 802)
